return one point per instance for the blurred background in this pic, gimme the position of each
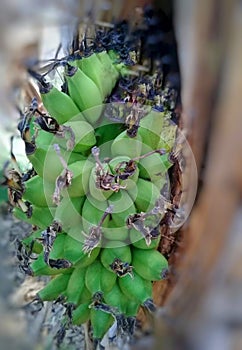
(201, 302)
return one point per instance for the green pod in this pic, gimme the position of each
(144, 195)
(114, 233)
(136, 288)
(40, 268)
(150, 129)
(149, 264)
(44, 139)
(119, 251)
(81, 314)
(107, 131)
(48, 165)
(57, 250)
(81, 134)
(132, 308)
(41, 216)
(80, 181)
(108, 68)
(59, 105)
(119, 66)
(101, 322)
(75, 285)
(154, 167)
(54, 287)
(38, 192)
(86, 296)
(68, 212)
(88, 259)
(83, 91)
(137, 241)
(122, 207)
(84, 136)
(99, 279)
(123, 144)
(37, 248)
(116, 298)
(93, 68)
(73, 251)
(92, 213)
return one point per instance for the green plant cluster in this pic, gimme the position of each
(100, 150)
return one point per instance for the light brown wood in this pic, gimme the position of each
(198, 305)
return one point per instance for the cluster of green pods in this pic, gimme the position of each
(96, 199)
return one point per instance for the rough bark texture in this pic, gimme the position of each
(202, 310)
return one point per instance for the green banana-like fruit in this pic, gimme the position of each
(144, 195)
(101, 322)
(44, 138)
(81, 171)
(57, 250)
(81, 314)
(107, 130)
(108, 68)
(38, 192)
(93, 68)
(149, 264)
(48, 165)
(40, 268)
(82, 138)
(76, 135)
(83, 91)
(88, 259)
(99, 279)
(92, 212)
(150, 129)
(75, 285)
(54, 288)
(154, 167)
(73, 251)
(114, 233)
(116, 298)
(63, 134)
(33, 237)
(132, 308)
(59, 105)
(68, 212)
(86, 296)
(41, 217)
(84, 135)
(43, 159)
(123, 144)
(123, 206)
(139, 242)
(118, 251)
(136, 288)
(94, 115)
